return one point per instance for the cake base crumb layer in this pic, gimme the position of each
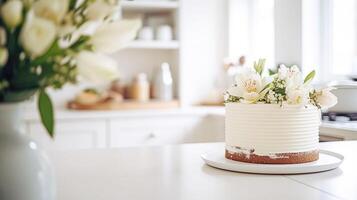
(280, 158)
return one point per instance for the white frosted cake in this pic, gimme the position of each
(274, 119)
(268, 133)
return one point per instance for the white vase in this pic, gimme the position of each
(25, 170)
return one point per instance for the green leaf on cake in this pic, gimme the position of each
(309, 77)
(259, 67)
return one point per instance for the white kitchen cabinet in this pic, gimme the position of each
(71, 134)
(165, 130)
(97, 129)
(152, 130)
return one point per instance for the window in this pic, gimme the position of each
(344, 36)
(251, 30)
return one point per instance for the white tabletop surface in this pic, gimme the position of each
(178, 172)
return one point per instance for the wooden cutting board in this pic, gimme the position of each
(125, 105)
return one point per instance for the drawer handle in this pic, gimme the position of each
(152, 135)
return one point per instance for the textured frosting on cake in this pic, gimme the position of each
(269, 129)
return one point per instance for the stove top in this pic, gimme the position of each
(339, 116)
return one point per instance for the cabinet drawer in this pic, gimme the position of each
(152, 131)
(76, 134)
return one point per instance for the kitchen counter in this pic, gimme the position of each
(62, 113)
(339, 130)
(328, 130)
(178, 172)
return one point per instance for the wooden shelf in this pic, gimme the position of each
(154, 45)
(126, 105)
(149, 5)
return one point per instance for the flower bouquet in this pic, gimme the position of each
(48, 43)
(286, 86)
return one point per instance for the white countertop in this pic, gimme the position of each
(177, 172)
(63, 113)
(345, 130)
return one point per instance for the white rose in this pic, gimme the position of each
(54, 10)
(11, 12)
(4, 55)
(96, 67)
(299, 96)
(111, 37)
(99, 10)
(326, 99)
(37, 35)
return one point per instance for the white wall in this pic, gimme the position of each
(251, 30)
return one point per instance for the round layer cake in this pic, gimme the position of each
(272, 134)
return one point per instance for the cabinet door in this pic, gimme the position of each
(71, 134)
(152, 130)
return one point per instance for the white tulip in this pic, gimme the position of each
(325, 98)
(37, 35)
(11, 12)
(27, 3)
(96, 67)
(111, 37)
(100, 10)
(4, 55)
(54, 10)
(2, 36)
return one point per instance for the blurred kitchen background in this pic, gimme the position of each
(174, 74)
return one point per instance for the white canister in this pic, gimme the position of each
(146, 33)
(164, 33)
(162, 85)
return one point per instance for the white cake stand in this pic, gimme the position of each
(327, 161)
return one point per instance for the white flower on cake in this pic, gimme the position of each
(248, 85)
(298, 96)
(325, 98)
(287, 86)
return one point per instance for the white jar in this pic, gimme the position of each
(140, 89)
(164, 33)
(162, 84)
(146, 33)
